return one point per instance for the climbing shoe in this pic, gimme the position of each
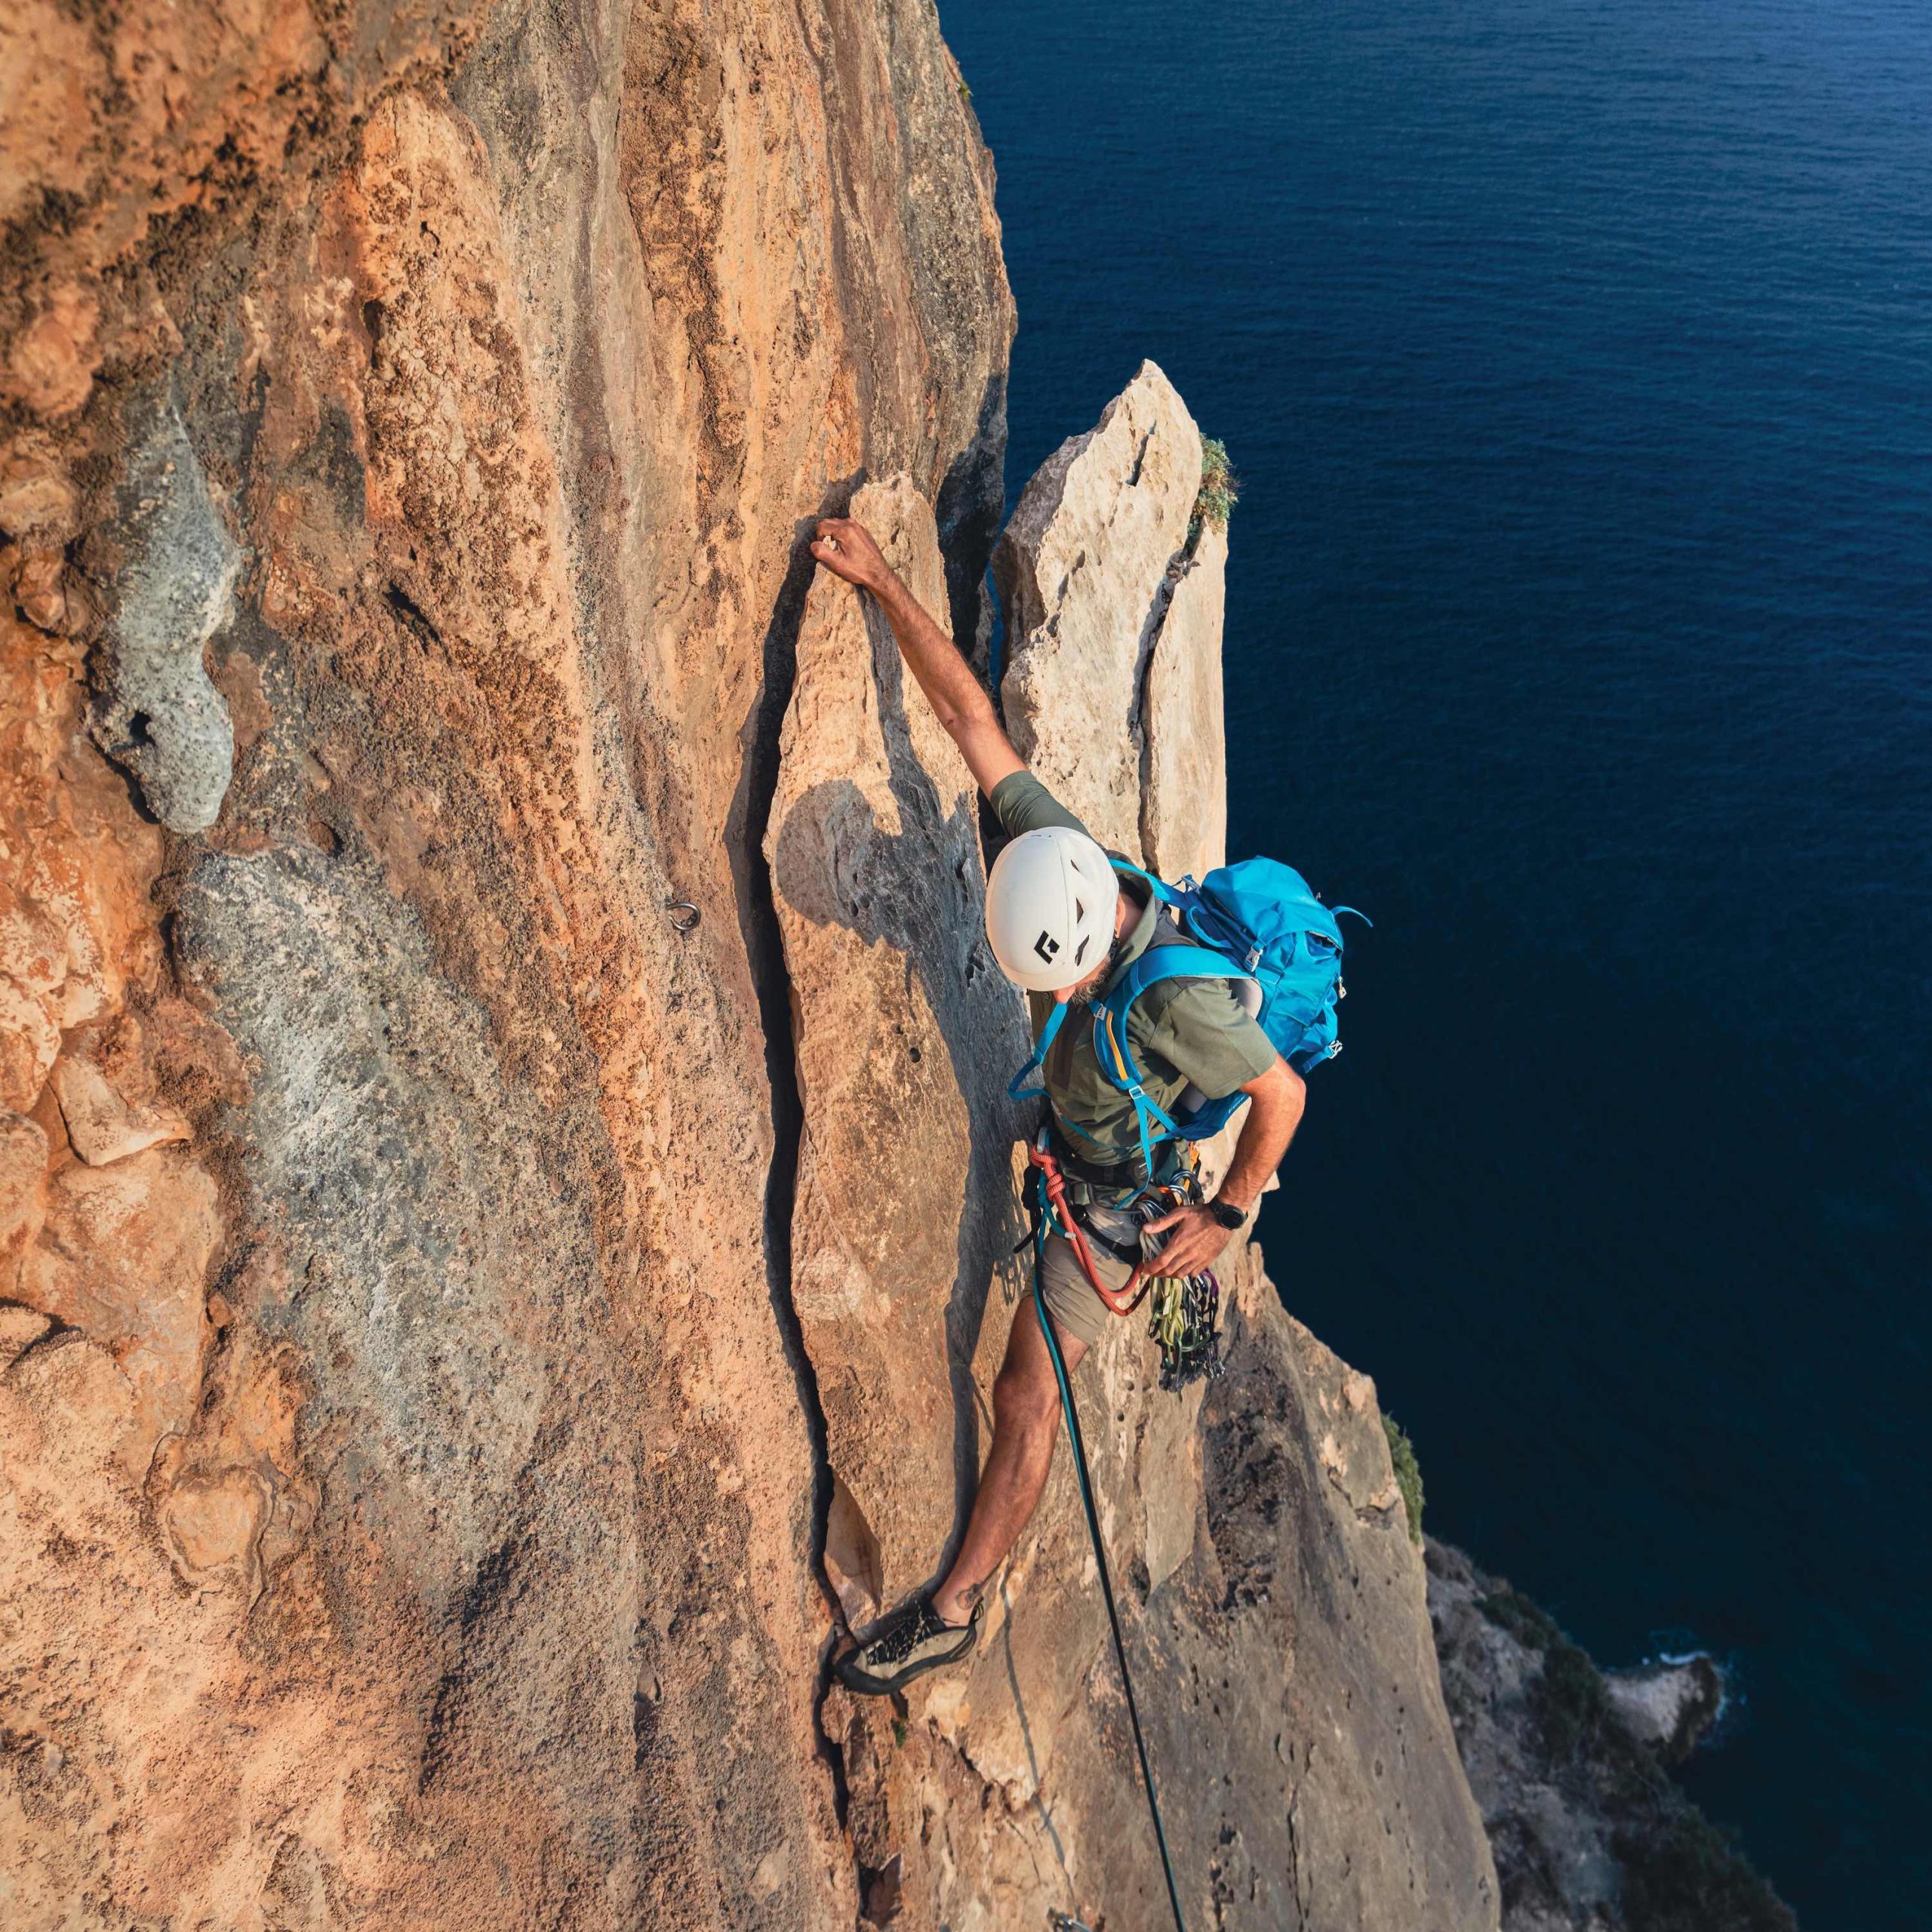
(910, 1642)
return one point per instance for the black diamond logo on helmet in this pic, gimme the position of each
(1046, 946)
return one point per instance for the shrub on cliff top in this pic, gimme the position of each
(1219, 491)
(1408, 1471)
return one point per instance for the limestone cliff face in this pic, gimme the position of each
(505, 1182)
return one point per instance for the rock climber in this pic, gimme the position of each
(1062, 922)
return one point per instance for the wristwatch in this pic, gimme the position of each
(1227, 1213)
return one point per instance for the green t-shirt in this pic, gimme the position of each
(1179, 1030)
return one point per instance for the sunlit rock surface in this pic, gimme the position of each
(407, 415)
(906, 1035)
(1184, 766)
(1087, 567)
(489, 1287)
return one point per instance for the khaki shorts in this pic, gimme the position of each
(1077, 1311)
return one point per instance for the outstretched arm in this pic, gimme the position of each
(958, 701)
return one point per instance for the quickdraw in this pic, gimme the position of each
(1185, 1325)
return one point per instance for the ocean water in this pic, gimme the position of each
(1577, 362)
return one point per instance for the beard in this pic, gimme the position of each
(1088, 992)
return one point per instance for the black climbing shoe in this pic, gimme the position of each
(910, 1642)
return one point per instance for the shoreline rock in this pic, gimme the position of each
(1568, 1763)
(1672, 1705)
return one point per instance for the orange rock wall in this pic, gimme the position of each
(406, 417)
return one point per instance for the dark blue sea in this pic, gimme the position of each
(1576, 358)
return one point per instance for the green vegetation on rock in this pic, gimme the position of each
(1220, 487)
(1510, 1610)
(1402, 1453)
(1687, 1876)
(1571, 1705)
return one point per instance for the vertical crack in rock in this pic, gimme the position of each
(968, 509)
(758, 922)
(1143, 649)
(1178, 718)
(904, 1032)
(1098, 540)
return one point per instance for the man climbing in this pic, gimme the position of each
(1063, 923)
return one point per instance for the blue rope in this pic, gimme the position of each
(1101, 1555)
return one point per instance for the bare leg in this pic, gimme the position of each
(1025, 1424)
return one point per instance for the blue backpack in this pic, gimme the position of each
(1256, 924)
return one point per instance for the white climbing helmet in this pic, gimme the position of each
(1050, 908)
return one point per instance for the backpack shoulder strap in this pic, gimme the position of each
(1183, 960)
(1037, 1058)
(1180, 958)
(1161, 890)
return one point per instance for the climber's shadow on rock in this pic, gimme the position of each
(918, 891)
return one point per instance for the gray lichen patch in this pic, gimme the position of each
(156, 714)
(403, 1176)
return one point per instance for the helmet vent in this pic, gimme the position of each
(1079, 911)
(1080, 951)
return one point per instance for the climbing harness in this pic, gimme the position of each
(1185, 1308)
(1057, 1215)
(1100, 1559)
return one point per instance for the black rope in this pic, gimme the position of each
(1106, 1581)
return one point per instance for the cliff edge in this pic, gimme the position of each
(1589, 1832)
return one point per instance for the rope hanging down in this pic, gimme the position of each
(1100, 1558)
